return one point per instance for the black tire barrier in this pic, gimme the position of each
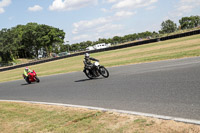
(106, 49)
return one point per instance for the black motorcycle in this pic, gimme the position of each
(95, 70)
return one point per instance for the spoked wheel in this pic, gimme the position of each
(37, 79)
(88, 74)
(104, 72)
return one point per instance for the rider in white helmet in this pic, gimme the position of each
(26, 71)
(88, 63)
(87, 59)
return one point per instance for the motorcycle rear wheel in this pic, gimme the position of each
(103, 71)
(27, 80)
(37, 79)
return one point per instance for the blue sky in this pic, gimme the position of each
(84, 20)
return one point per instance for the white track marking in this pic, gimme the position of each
(197, 122)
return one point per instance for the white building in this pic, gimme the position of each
(98, 46)
(90, 48)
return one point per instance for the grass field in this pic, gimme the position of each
(33, 118)
(171, 49)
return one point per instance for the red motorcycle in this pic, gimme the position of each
(32, 77)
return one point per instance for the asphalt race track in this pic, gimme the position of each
(169, 88)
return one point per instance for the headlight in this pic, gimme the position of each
(96, 63)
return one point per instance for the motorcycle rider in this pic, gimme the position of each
(26, 71)
(88, 63)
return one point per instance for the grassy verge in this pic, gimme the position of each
(31, 118)
(171, 49)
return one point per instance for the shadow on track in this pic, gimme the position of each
(28, 84)
(25, 84)
(84, 80)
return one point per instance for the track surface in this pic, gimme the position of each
(170, 88)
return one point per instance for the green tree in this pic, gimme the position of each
(75, 47)
(168, 26)
(37, 37)
(24, 41)
(116, 39)
(30, 40)
(18, 43)
(189, 22)
(7, 49)
(54, 36)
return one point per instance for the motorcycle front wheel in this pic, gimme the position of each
(103, 71)
(88, 73)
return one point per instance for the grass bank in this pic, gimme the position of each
(32, 118)
(171, 49)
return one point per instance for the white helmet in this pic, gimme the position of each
(26, 68)
(87, 55)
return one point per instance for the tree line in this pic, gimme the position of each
(167, 26)
(113, 41)
(26, 41)
(32, 39)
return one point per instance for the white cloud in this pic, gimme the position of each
(108, 28)
(187, 5)
(189, 1)
(81, 37)
(61, 5)
(35, 8)
(110, 1)
(104, 10)
(183, 7)
(101, 24)
(124, 13)
(104, 31)
(96, 28)
(132, 4)
(104, 27)
(150, 7)
(89, 25)
(57, 5)
(1, 10)
(3, 4)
